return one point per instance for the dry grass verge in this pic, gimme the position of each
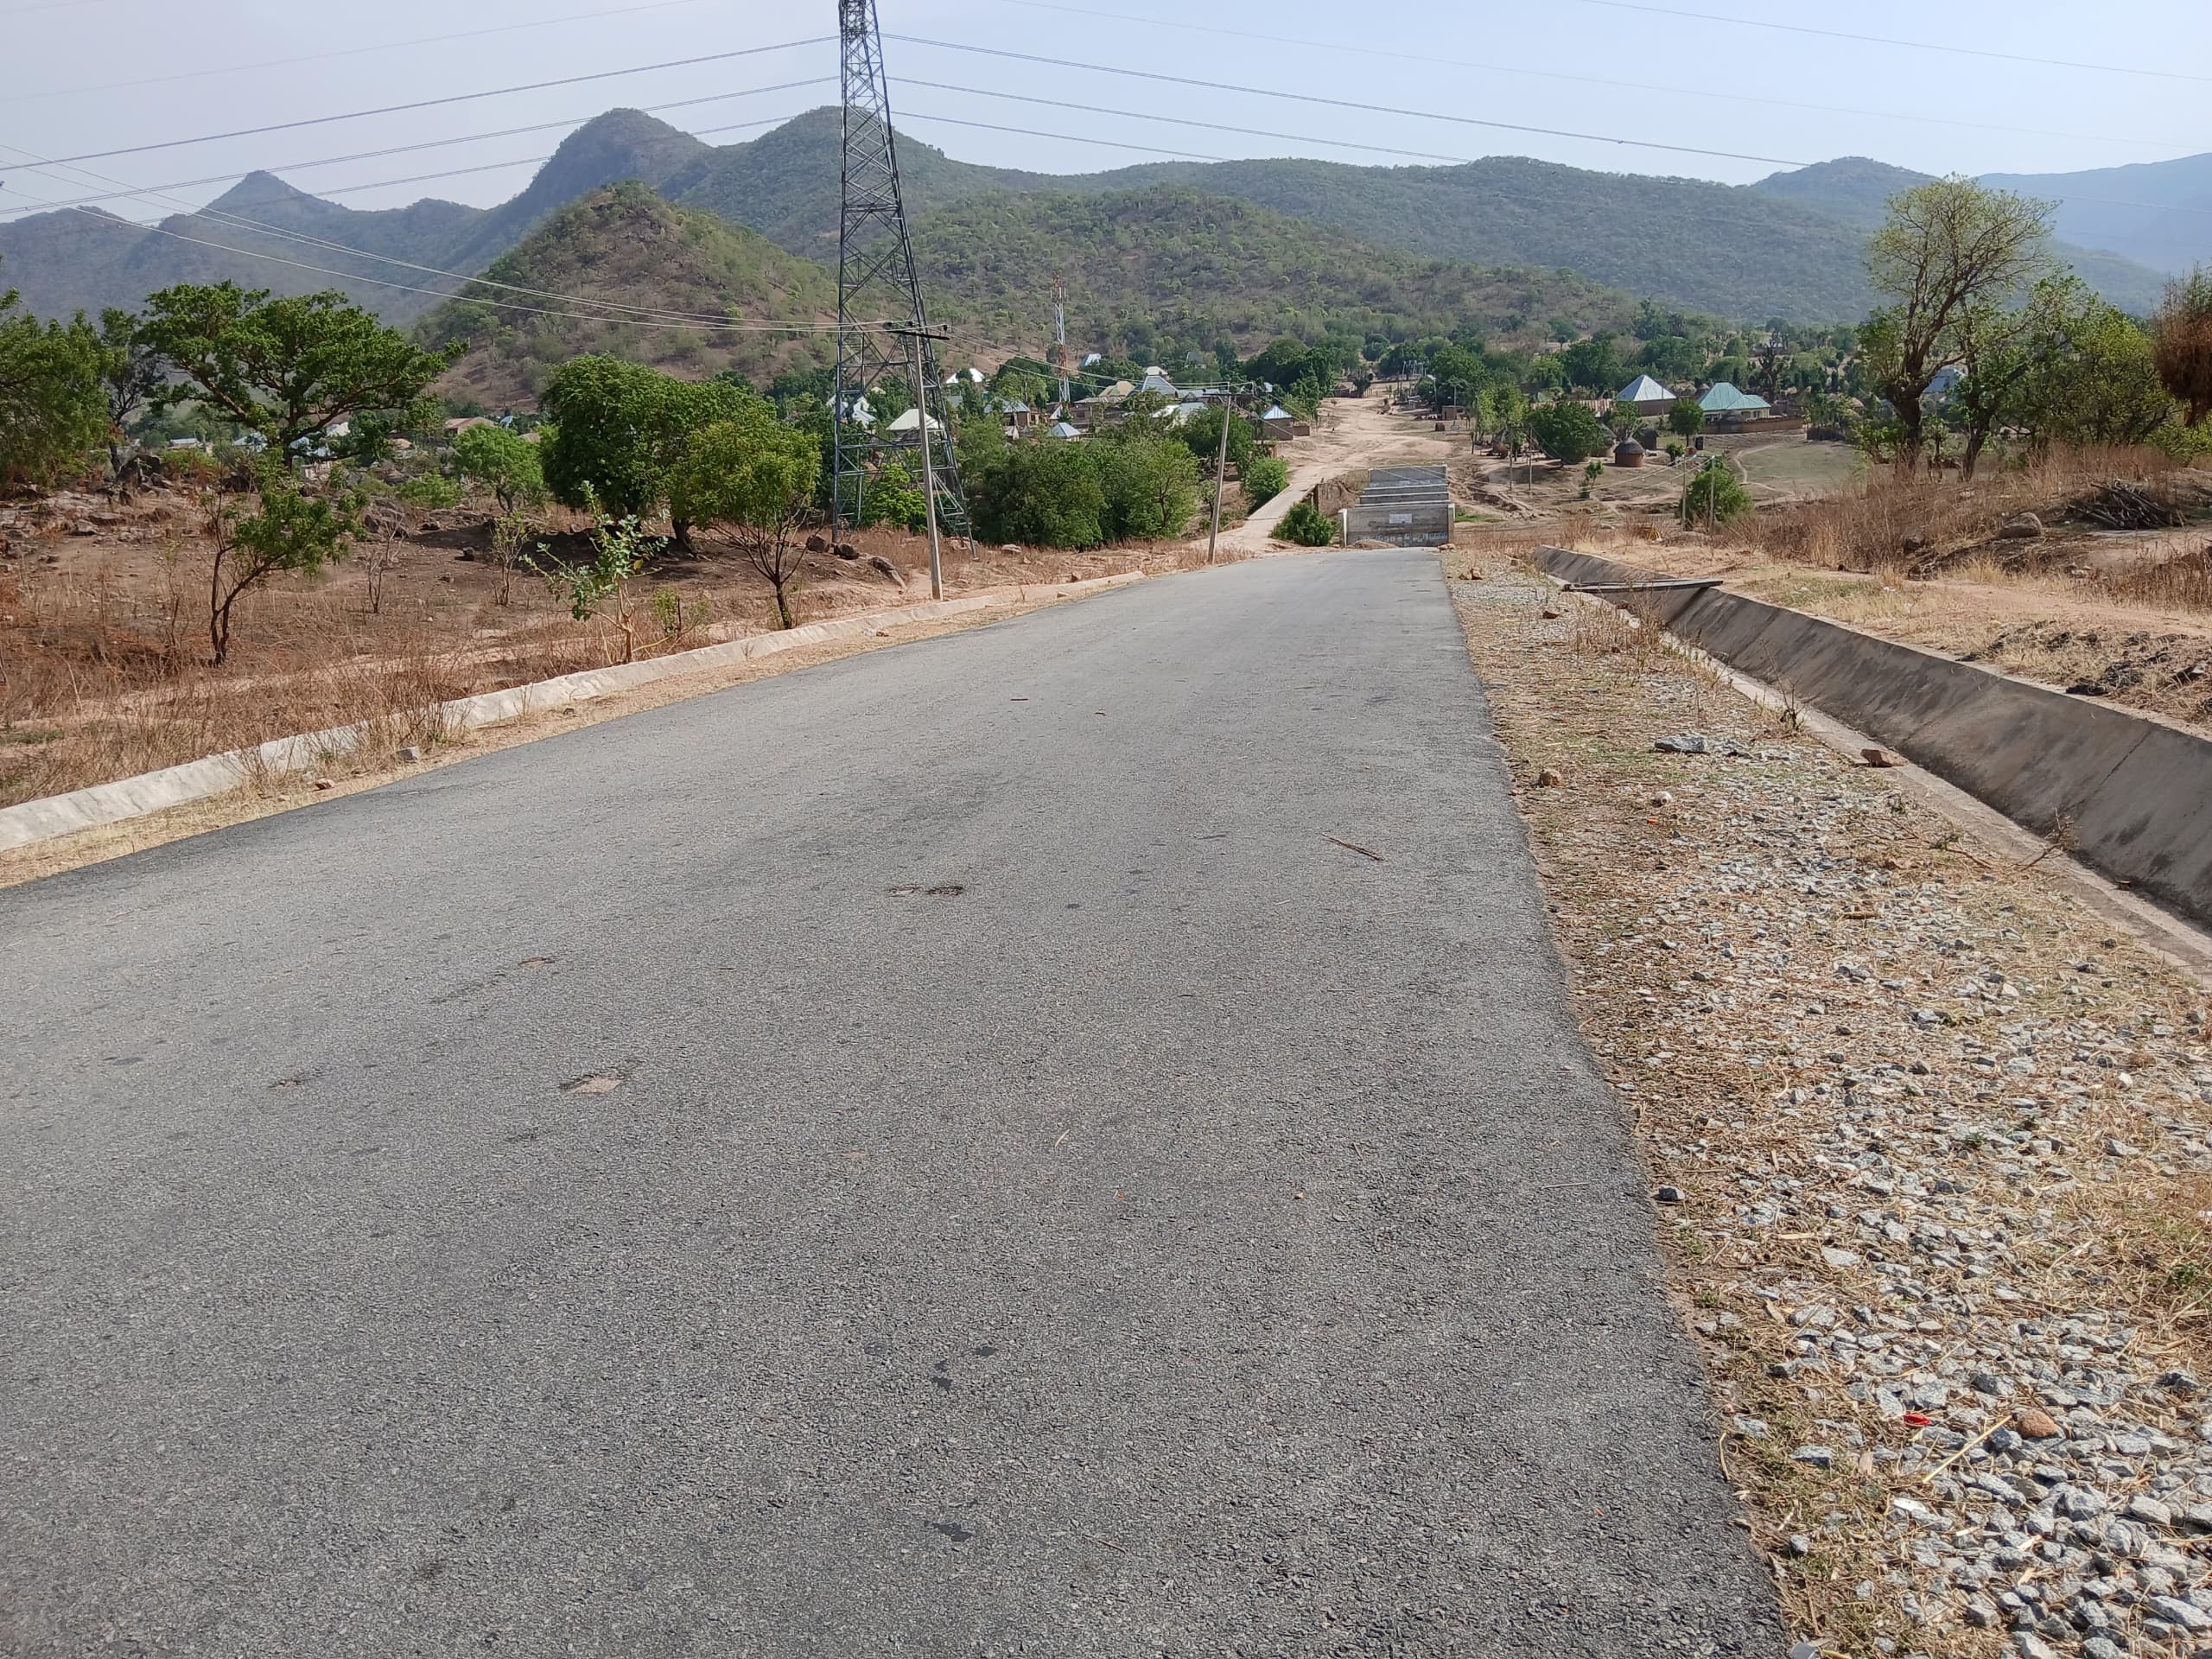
(1934, 1149)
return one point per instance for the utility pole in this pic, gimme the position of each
(1060, 335)
(915, 334)
(1221, 472)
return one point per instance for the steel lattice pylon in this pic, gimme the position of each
(876, 284)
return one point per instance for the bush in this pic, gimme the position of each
(1150, 480)
(1041, 494)
(1265, 478)
(1715, 492)
(1307, 525)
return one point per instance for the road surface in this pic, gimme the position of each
(939, 1153)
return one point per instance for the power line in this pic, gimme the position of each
(670, 319)
(1308, 138)
(464, 139)
(1557, 74)
(435, 103)
(1344, 104)
(1673, 15)
(344, 52)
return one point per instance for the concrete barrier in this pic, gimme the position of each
(2135, 793)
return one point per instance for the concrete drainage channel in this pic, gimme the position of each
(2128, 795)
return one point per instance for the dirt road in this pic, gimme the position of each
(1352, 433)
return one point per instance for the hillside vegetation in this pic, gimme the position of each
(1171, 264)
(1792, 246)
(625, 243)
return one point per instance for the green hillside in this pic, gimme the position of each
(1169, 264)
(1855, 192)
(625, 243)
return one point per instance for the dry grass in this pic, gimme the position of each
(2132, 1239)
(102, 644)
(1925, 523)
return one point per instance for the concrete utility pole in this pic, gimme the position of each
(1060, 336)
(1221, 472)
(915, 335)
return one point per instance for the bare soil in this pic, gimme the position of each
(1915, 1115)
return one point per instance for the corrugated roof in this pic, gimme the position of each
(1642, 390)
(1725, 399)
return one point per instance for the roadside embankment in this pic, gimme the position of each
(2129, 795)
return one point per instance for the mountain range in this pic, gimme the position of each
(1790, 246)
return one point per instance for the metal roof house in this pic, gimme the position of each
(1726, 399)
(1645, 396)
(911, 420)
(1278, 423)
(1061, 429)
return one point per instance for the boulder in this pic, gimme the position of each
(817, 544)
(846, 550)
(884, 567)
(2023, 527)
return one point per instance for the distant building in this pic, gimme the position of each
(1156, 380)
(1726, 402)
(1278, 424)
(1062, 429)
(912, 421)
(459, 424)
(1645, 396)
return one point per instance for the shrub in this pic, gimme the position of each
(1307, 525)
(1714, 493)
(1265, 478)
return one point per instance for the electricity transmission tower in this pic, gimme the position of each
(876, 286)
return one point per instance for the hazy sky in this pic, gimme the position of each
(98, 75)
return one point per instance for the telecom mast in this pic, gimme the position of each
(876, 286)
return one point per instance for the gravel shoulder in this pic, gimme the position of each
(1933, 1144)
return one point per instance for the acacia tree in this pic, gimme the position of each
(131, 371)
(2181, 336)
(287, 368)
(753, 476)
(50, 409)
(623, 428)
(288, 530)
(1946, 248)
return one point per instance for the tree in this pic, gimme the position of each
(286, 368)
(620, 548)
(288, 530)
(131, 371)
(494, 459)
(1566, 431)
(622, 429)
(1946, 247)
(753, 476)
(52, 413)
(2091, 376)
(1686, 419)
(1265, 478)
(1151, 482)
(1201, 436)
(1040, 495)
(2182, 337)
(1594, 364)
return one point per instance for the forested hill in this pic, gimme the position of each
(1175, 264)
(697, 276)
(1146, 270)
(1790, 246)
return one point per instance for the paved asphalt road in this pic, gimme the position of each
(1051, 1200)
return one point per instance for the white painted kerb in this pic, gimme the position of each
(151, 791)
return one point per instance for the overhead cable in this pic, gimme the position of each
(435, 103)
